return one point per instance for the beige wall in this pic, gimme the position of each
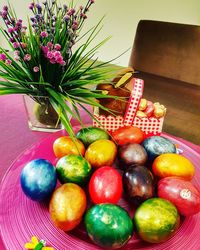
(122, 17)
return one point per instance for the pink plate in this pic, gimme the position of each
(22, 218)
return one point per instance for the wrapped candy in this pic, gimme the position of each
(149, 109)
(143, 104)
(140, 114)
(159, 110)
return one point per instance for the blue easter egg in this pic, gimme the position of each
(157, 145)
(38, 179)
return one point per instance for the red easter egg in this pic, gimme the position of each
(129, 134)
(105, 185)
(183, 194)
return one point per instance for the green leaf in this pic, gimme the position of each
(63, 116)
(59, 98)
(6, 91)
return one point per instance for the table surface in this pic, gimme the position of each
(15, 136)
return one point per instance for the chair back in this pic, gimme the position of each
(169, 50)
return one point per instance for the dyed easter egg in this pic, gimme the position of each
(131, 154)
(108, 225)
(138, 184)
(105, 185)
(64, 145)
(157, 145)
(167, 165)
(73, 168)
(89, 135)
(156, 220)
(128, 134)
(101, 153)
(183, 194)
(67, 206)
(38, 179)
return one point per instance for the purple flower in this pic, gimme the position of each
(2, 57)
(10, 30)
(27, 57)
(64, 6)
(16, 28)
(5, 8)
(52, 61)
(4, 14)
(12, 40)
(63, 63)
(19, 24)
(16, 53)
(50, 55)
(83, 15)
(33, 20)
(71, 12)
(38, 6)
(66, 18)
(92, 1)
(20, 20)
(45, 49)
(36, 69)
(15, 45)
(57, 54)
(44, 34)
(31, 6)
(49, 44)
(57, 46)
(16, 58)
(75, 25)
(8, 22)
(38, 17)
(59, 59)
(8, 61)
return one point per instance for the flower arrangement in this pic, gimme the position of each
(46, 62)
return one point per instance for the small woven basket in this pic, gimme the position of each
(150, 126)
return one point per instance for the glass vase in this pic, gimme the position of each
(41, 115)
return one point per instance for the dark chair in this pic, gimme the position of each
(167, 56)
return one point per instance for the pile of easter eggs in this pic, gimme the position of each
(97, 170)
